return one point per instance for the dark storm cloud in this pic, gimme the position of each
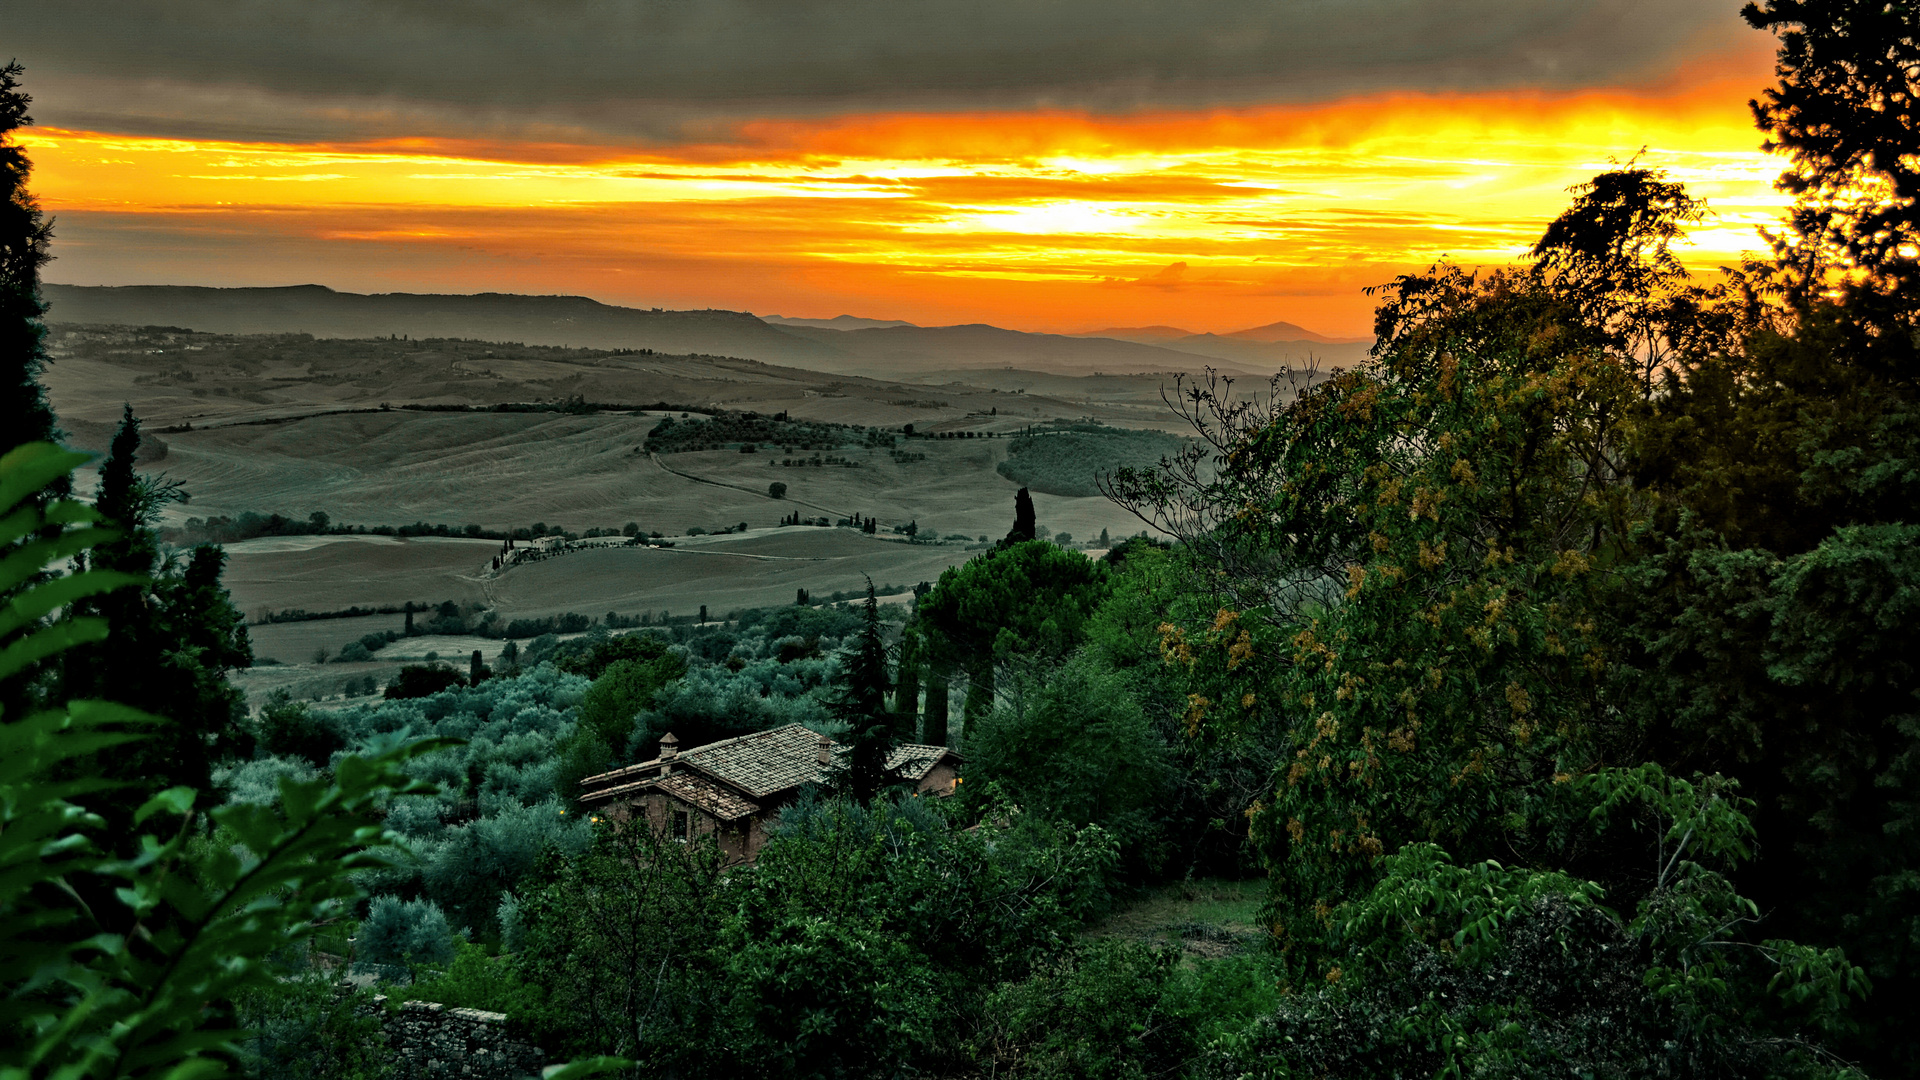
(677, 68)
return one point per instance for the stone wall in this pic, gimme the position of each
(434, 1042)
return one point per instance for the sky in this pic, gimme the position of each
(1047, 165)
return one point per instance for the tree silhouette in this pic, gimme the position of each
(1847, 111)
(1023, 518)
(25, 234)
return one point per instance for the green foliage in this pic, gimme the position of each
(476, 980)
(1075, 747)
(617, 942)
(1071, 462)
(817, 997)
(122, 983)
(1026, 602)
(1443, 969)
(1099, 1013)
(860, 702)
(290, 728)
(731, 430)
(303, 1028)
(422, 680)
(627, 673)
(400, 932)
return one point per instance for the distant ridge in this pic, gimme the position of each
(1292, 332)
(1152, 335)
(838, 322)
(533, 320)
(889, 349)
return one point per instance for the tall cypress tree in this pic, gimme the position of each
(25, 234)
(24, 414)
(862, 704)
(1024, 522)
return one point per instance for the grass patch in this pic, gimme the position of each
(1207, 916)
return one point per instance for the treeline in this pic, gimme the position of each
(729, 430)
(251, 525)
(575, 405)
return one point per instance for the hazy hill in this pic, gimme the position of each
(838, 322)
(870, 347)
(1269, 347)
(574, 321)
(1146, 335)
(906, 350)
(1271, 355)
(1291, 333)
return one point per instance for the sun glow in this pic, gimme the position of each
(1038, 220)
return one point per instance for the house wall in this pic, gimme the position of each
(739, 842)
(938, 781)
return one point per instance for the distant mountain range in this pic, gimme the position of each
(842, 345)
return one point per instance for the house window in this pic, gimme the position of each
(682, 825)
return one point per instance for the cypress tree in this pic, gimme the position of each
(170, 643)
(861, 703)
(906, 696)
(1023, 518)
(25, 235)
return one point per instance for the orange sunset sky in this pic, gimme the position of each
(1114, 181)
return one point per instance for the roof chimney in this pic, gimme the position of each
(669, 749)
(826, 750)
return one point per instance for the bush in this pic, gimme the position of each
(1099, 1012)
(305, 1029)
(423, 680)
(288, 728)
(403, 932)
(1076, 747)
(812, 996)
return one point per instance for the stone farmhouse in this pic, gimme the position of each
(734, 789)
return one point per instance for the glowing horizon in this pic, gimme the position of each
(1211, 220)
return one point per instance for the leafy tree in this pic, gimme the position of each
(1026, 602)
(289, 728)
(1769, 627)
(1441, 967)
(1076, 747)
(631, 670)
(422, 680)
(618, 942)
(777, 490)
(398, 933)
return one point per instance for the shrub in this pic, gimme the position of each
(289, 728)
(422, 680)
(402, 932)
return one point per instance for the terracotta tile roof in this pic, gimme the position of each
(696, 790)
(762, 763)
(912, 761)
(621, 777)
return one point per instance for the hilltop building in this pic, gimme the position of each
(734, 789)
